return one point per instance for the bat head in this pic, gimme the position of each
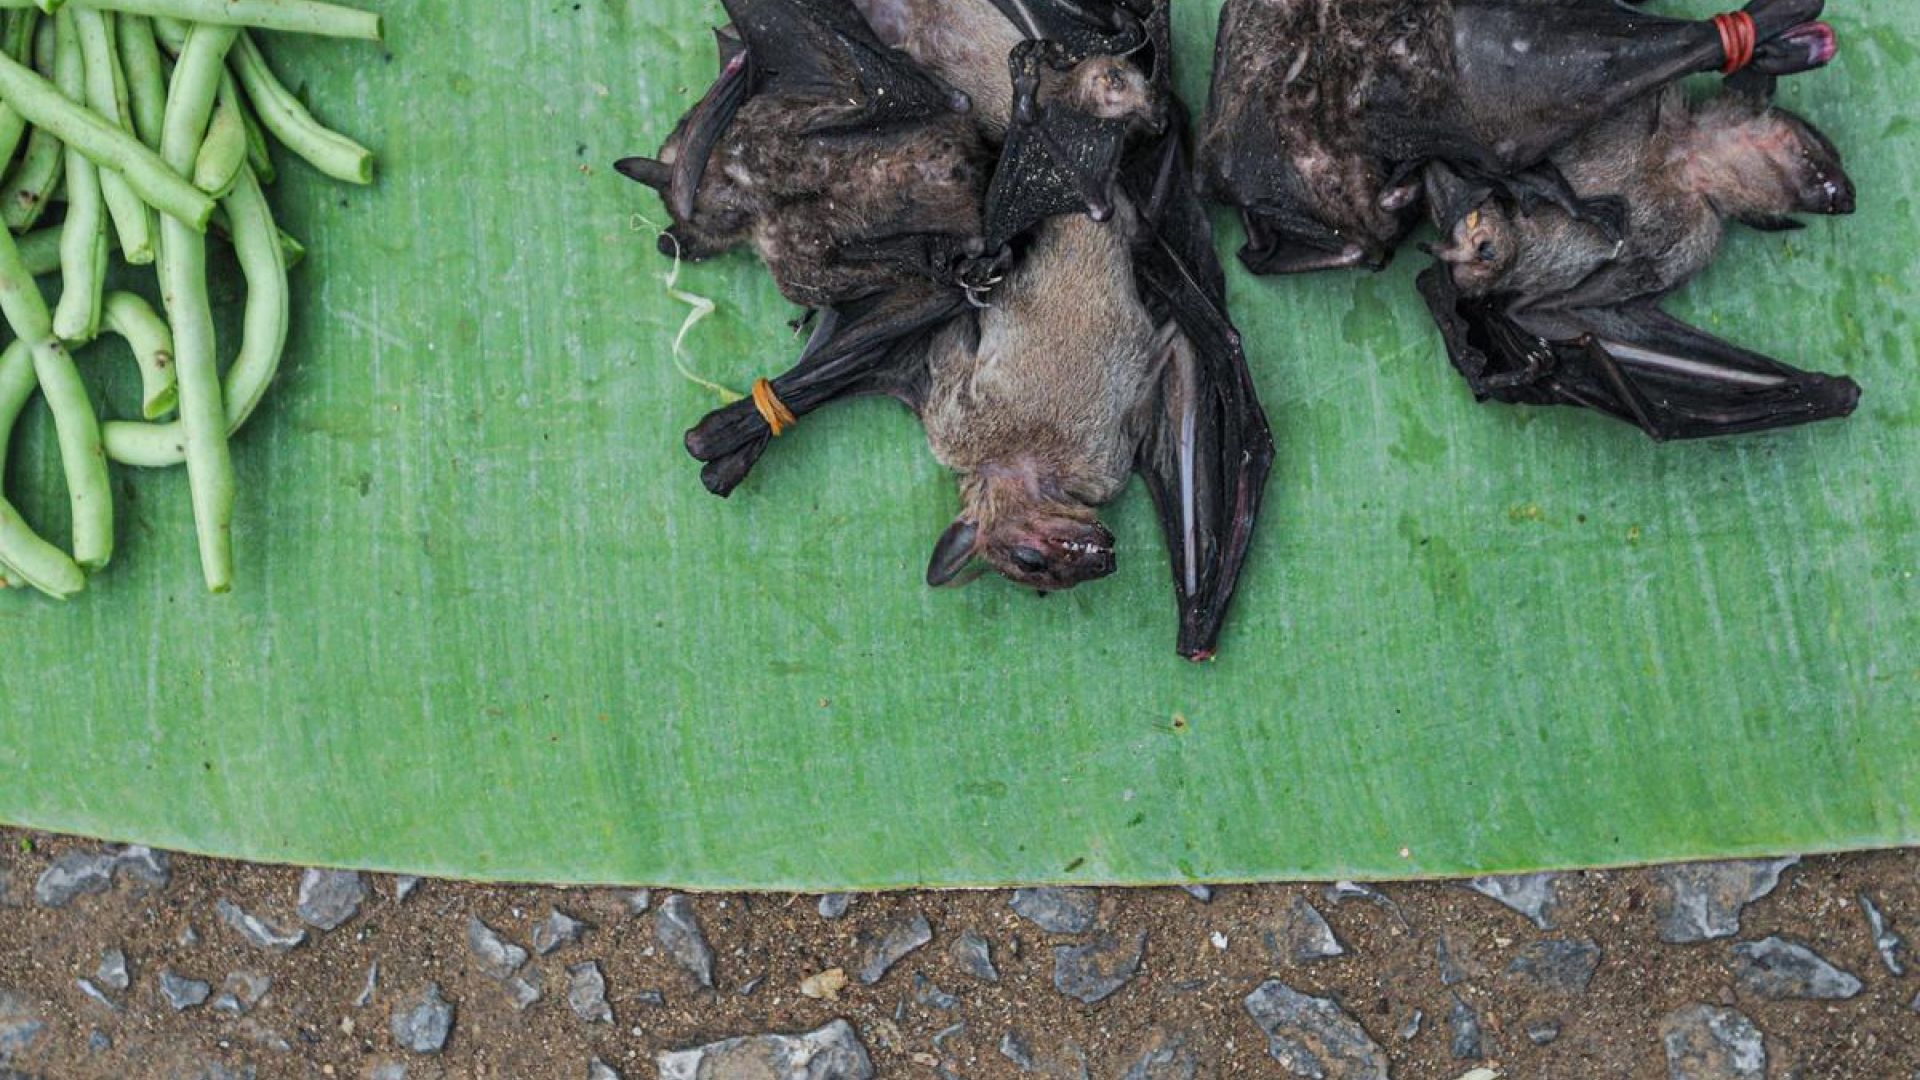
(1041, 541)
(1113, 88)
(1481, 248)
(1758, 162)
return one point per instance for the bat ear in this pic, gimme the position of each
(952, 554)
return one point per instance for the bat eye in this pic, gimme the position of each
(1487, 251)
(1032, 561)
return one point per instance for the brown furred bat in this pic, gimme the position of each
(1323, 112)
(1540, 307)
(1078, 334)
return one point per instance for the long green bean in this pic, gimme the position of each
(259, 246)
(146, 333)
(82, 457)
(329, 151)
(83, 236)
(106, 94)
(225, 148)
(145, 74)
(26, 558)
(40, 250)
(104, 144)
(19, 45)
(292, 16)
(259, 154)
(30, 185)
(183, 283)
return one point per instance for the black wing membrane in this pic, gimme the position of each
(1633, 362)
(871, 346)
(1209, 450)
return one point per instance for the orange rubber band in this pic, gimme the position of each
(1738, 38)
(772, 409)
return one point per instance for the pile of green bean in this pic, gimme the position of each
(150, 120)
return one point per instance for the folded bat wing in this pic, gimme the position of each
(1633, 362)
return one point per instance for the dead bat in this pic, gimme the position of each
(1087, 340)
(1542, 308)
(1323, 112)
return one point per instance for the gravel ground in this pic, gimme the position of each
(127, 963)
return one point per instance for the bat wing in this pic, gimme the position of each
(1086, 27)
(874, 345)
(1633, 362)
(1208, 449)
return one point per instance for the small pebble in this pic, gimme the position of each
(931, 996)
(747, 988)
(20, 1028)
(73, 874)
(241, 991)
(600, 1070)
(255, 931)
(1304, 936)
(1703, 901)
(1094, 971)
(328, 898)
(678, 931)
(1708, 1043)
(1451, 973)
(365, 997)
(825, 985)
(587, 993)
(1532, 895)
(1542, 1033)
(153, 869)
(422, 1023)
(1885, 941)
(949, 1032)
(95, 994)
(1777, 969)
(1467, 1043)
(99, 1041)
(1565, 965)
(388, 1070)
(974, 955)
(653, 999)
(403, 887)
(112, 972)
(830, 1053)
(834, 905)
(1411, 1027)
(523, 988)
(1202, 893)
(1057, 910)
(1164, 1058)
(638, 901)
(497, 957)
(558, 929)
(183, 993)
(1314, 1037)
(1014, 1048)
(895, 938)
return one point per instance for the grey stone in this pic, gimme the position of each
(830, 1053)
(112, 972)
(1057, 910)
(423, 1022)
(1340, 892)
(241, 991)
(559, 928)
(930, 995)
(403, 887)
(638, 901)
(974, 956)
(1303, 936)
(1544, 1032)
(1563, 964)
(74, 874)
(1708, 1043)
(147, 867)
(95, 994)
(678, 932)
(183, 993)
(587, 993)
(1703, 901)
(1094, 971)
(523, 988)
(1313, 1037)
(1451, 973)
(880, 950)
(1164, 1058)
(1777, 969)
(388, 1070)
(1885, 941)
(833, 905)
(256, 931)
(98, 1041)
(1411, 1028)
(496, 957)
(950, 1031)
(1202, 893)
(747, 988)
(20, 1028)
(1468, 1043)
(653, 999)
(328, 898)
(1013, 1047)
(1532, 895)
(600, 1070)
(365, 997)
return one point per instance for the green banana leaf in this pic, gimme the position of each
(488, 624)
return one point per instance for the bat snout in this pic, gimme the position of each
(1054, 556)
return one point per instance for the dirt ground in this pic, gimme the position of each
(1201, 961)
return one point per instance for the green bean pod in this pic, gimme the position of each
(282, 114)
(146, 333)
(83, 236)
(146, 76)
(81, 454)
(258, 243)
(40, 251)
(292, 16)
(30, 185)
(18, 43)
(259, 154)
(26, 558)
(225, 148)
(106, 94)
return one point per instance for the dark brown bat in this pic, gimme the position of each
(1076, 335)
(1541, 308)
(1323, 112)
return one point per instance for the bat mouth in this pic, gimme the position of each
(1055, 561)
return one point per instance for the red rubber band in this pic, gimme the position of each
(1738, 38)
